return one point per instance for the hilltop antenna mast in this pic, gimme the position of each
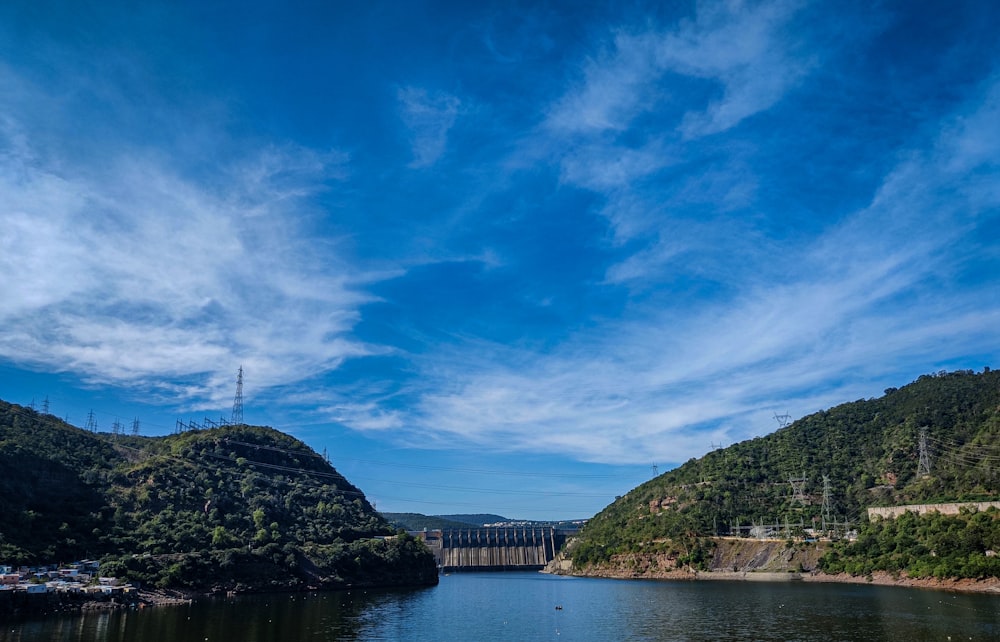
(237, 418)
(924, 461)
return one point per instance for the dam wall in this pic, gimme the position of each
(493, 548)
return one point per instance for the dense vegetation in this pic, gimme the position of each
(867, 450)
(932, 545)
(231, 507)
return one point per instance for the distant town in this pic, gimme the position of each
(79, 577)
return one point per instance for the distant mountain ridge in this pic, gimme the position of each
(936, 439)
(476, 519)
(418, 521)
(231, 508)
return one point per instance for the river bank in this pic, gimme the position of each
(988, 586)
(17, 603)
(745, 560)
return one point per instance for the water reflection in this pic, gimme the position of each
(523, 607)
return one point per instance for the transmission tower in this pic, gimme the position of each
(91, 423)
(238, 400)
(45, 405)
(924, 462)
(135, 426)
(798, 485)
(826, 501)
(116, 428)
(656, 470)
(783, 420)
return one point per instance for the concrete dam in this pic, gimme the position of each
(494, 548)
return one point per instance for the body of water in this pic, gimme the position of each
(531, 606)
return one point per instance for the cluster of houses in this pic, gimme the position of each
(79, 577)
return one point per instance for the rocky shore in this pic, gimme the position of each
(744, 560)
(989, 585)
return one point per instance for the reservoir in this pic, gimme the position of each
(531, 606)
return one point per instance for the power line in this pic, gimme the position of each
(92, 426)
(339, 477)
(493, 490)
(479, 471)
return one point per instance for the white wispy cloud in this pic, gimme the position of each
(630, 129)
(740, 45)
(428, 116)
(127, 271)
(864, 305)
(615, 87)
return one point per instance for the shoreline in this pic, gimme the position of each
(21, 604)
(164, 598)
(878, 578)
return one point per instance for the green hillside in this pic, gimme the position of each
(236, 507)
(825, 468)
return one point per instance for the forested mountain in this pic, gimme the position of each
(230, 507)
(475, 519)
(826, 467)
(419, 521)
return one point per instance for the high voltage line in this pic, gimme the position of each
(335, 475)
(479, 471)
(476, 471)
(943, 448)
(957, 454)
(314, 483)
(965, 450)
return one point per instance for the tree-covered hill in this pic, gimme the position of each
(419, 521)
(825, 468)
(231, 507)
(475, 519)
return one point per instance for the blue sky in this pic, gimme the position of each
(495, 257)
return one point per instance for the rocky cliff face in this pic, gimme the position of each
(747, 555)
(730, 555)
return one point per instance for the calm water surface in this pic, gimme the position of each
(522, 607)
